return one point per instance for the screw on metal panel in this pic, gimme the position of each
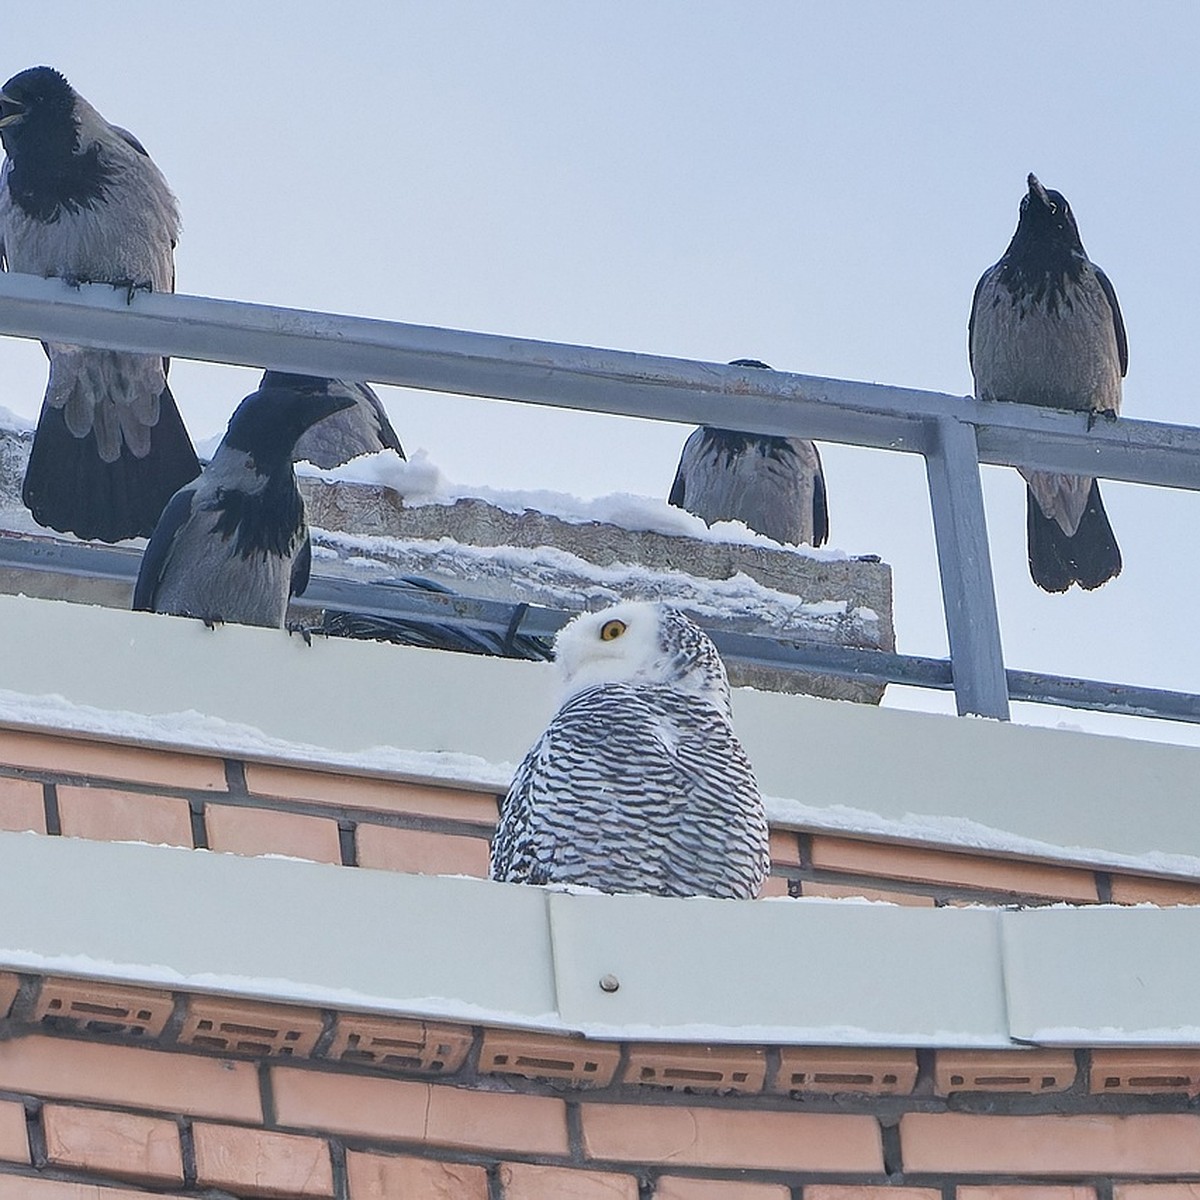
(609, 983)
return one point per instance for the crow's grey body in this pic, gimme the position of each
(639, 783)
(81, 200)
(1046, 329)
(773, 485)
(232, 545)
(363, 428)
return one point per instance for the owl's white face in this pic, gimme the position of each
(616, 645)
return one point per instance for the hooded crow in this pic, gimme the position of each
(1046, 329)
(232, 545)
(80, 199)
(774, 485)
(363, 428)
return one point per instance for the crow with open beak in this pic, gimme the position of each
(81, 200)
(1046, 329)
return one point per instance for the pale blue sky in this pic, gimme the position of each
(816, 185)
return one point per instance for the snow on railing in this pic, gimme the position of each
(954, 434)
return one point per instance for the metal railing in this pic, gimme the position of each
(954, 434)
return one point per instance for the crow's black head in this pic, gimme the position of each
(37, 108)
(1046, 219)
(268, 423)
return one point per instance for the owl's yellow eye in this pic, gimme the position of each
(611, 629)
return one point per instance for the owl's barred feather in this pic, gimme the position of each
(639, 783)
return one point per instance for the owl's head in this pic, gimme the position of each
(639, 641)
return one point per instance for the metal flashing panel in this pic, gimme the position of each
(1103, 976)
(795, 971)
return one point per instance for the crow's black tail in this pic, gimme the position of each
(1089, 557)
(69, 487)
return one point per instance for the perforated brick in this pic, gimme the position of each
(126, 1145)
(90, 1006)
(1028, 1071)
(22, 806)
(419, 852)
(393, 1045)
(390, 1177)
(833, 1069)
(110, 815)
(1116, 1072)
(537, 1056)
(372, 794)
(724, 1069)
(243, 1027)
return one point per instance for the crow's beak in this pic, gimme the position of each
(11, 110)
(1037, 191)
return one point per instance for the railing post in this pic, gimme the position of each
(968, 595)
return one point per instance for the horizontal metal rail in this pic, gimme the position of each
(953, 433)
(381, 598)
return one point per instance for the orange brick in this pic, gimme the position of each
(719, 1137)
(113, 1143)
(383, 1177)
(418, 852)
(23, 1187)
(774, 885)
(1003, 1071)
(256, 1162)
(853, 1191)
(785, 847)
(400, 1045)
(677, 1187)
(697, 1068)
(1026, 1191)
(541, 1056)
(1134, 889)
(893, 861)
(109, 760)
(836, 1069)
(110, 815)
(256, 831)
(847, 891)
(373, 794)
(14, 1139)
(1145, 1071)
(95, 1007)
(8, 992)
(1157, 1191)
(22, 806)
(410, 1111)
(153, 1079)
(1097, 1144)
(524, 1181)
(244, 1027)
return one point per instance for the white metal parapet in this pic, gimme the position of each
(953, 433)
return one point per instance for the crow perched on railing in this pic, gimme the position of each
(1046, 329)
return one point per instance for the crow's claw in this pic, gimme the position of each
(303, 630)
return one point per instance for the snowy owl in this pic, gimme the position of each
(639, 783)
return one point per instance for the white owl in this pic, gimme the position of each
(639, 783)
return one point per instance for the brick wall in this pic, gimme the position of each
(89, 789)
(109, 1091)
